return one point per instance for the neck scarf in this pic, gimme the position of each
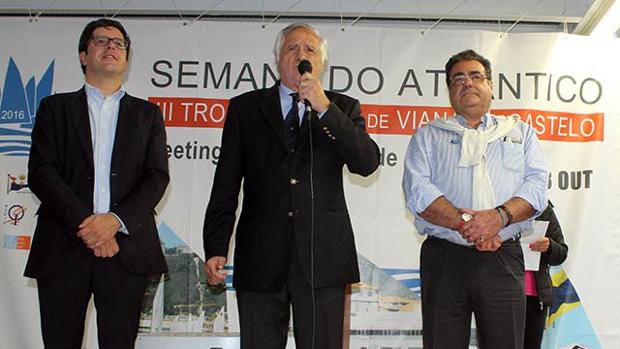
(473, 154)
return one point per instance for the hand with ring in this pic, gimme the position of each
(489, 244)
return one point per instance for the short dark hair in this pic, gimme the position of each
(87, 34)
(468, 55)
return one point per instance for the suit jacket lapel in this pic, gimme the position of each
(80, 117)
(272, 111)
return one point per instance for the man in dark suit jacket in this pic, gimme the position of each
(98, 165)
(294, 241)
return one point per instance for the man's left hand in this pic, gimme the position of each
(484, 225)
(490, 245)
(107, 250)
(98, 229)
(310, 89)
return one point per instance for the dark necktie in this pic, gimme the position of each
(291, 123)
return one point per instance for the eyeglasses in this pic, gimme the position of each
(459, 79)
(103, 41)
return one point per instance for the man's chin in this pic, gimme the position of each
(292, 86)
(470, 101)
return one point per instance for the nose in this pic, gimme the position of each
(468, 82)
(300, 54)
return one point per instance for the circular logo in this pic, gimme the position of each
(15, 214)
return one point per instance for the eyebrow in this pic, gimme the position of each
(468, 73)
(108, 37)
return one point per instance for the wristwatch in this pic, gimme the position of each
(465, 217)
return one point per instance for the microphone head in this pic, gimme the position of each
(304, 67)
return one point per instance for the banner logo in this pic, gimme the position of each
(18, 106)
(17, 184)
(17, 242)
(14, 214)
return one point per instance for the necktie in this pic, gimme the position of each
(291, 123)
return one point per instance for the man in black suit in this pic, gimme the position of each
(98, 165)
(294, 241)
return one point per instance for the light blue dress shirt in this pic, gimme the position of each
(515, 163)
(103, 117)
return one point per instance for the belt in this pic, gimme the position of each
(511, 240)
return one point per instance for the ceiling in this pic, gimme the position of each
(545, 15)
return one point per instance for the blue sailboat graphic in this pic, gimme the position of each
(18, 106)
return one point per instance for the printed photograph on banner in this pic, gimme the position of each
(181, 303)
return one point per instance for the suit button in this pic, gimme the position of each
(294, 181)
(290, 213)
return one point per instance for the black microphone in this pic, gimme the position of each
(305, 67)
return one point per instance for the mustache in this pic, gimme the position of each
(468, 90)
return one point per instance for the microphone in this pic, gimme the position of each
(305, 67)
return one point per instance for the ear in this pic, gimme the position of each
(83, 58)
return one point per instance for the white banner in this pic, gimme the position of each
(566, 86)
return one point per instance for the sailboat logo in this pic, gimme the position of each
(18, 106)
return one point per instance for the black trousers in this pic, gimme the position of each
(535, 317)
(118, 297)
(458, 281)
(318, 314)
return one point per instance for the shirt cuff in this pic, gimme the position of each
(516, 228)
(426, 198)
(123, 228)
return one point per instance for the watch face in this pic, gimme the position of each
(466, 217)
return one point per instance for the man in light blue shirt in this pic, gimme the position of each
(474, 182)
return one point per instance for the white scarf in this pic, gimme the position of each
(473, 154)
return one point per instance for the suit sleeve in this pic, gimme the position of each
(221, 210)
(347, 129)
(134, 209)
(44, 173)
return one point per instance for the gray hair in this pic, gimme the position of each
(277, 47)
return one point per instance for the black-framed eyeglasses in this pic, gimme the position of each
(459, 79)
(103, 41)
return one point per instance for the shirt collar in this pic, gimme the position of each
(95, 94)
(285, 92)
(487, 121)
